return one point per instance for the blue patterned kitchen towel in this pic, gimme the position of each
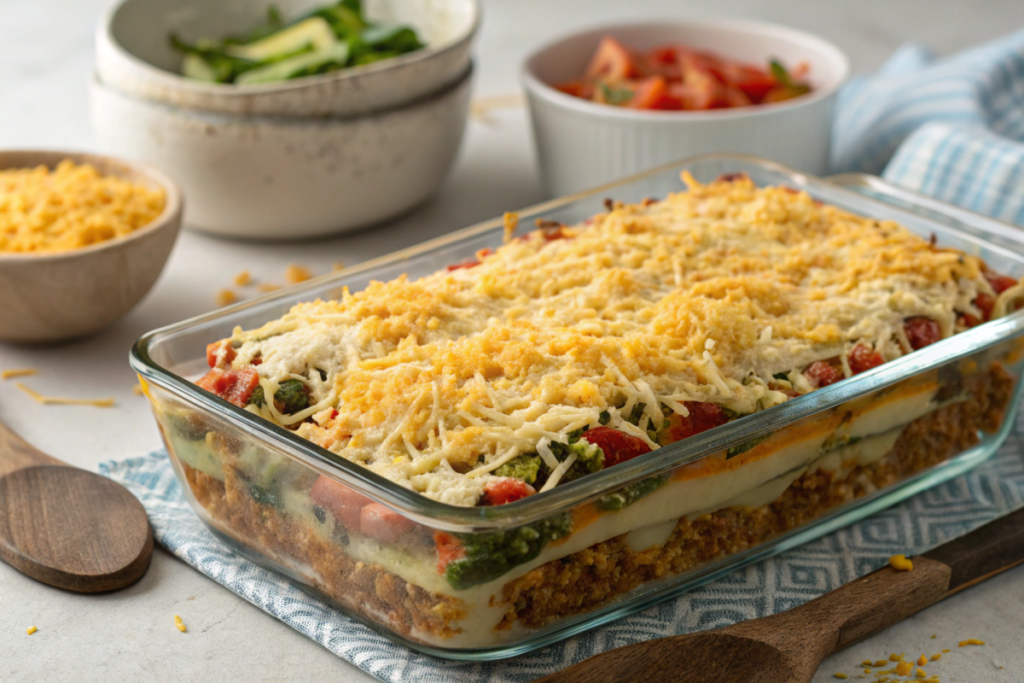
(952, 128)
(989, 491)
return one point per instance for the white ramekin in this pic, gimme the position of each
(134, 55)
(581, 144)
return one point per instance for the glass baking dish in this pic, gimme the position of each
(615, 541)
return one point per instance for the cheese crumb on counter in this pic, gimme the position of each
(226, 297)
(18, 372)
(267, 287)
(31, 629)
(903, 668)
(59, 401)
(900, 563)
(179, 624)
(971, 641)
(295, 274)
(840, 676)
(922, 660)
(71, 207)
(242, 279)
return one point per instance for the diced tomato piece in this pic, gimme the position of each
(449, 549)
(382, 523)
(464, 264)
(341, 501)
(574, 88)
(234, 386)
(506, 490)
(753, 81)
(256, 361)
(703, 416)
(334, 413)
(552, 234)
(618, 446)
(214, 351)
(863, 358)
(612, 62)
(985, 303)
(649, 93)
(921, 331)
(1000, 283)
(822, 374)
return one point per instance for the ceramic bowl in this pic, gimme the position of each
(284, 178)
(59, 296)
(133, 54)
(582, 144)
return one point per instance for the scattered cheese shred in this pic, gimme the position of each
(901, 564)
(267, 287)
(840, 676)
(226, 297)
(31, 629)
(179, 624)
(58, 401)
(242, 279)
(971, 641)
(903, 668)
(295, 274)
(337, 265)
(936, 657)
(19, 372)
(922, 660)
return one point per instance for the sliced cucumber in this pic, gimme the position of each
(300, 65)
(195, 67)
(314, 32)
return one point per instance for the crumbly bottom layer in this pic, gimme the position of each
(606, 570)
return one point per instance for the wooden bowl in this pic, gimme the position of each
(63, 295)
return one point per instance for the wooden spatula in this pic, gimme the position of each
(788, 647)
(68, 527)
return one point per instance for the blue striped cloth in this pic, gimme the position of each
(951, 128)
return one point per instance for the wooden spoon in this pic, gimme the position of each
(788, 647)
(68, 527)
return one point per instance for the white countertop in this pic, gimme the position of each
(46, 52)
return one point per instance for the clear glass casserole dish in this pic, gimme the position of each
(613, 542)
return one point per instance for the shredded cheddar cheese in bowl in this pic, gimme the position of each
(71, 207)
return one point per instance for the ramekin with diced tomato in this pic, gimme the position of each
(616, 100)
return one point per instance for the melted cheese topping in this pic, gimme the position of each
(703, 296)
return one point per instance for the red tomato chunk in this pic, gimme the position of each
(1000, 283)
(921, 331)
(381, 522)
(234, 386)
(506, 491)
(618, 446)
(356, 512)
(822, 374)
(703, 416)
(215, 349)
(449, 549)
(863, 358)
(341, 501)
(675, 77)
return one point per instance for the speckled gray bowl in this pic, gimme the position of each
(133, 55)
(280, 178)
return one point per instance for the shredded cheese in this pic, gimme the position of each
(243, 279)
(900, 563)
(705, 296)
(179, 624)
(56, 400)
(71, 207)
(20, 372)
(295, 274)
(31, 629)
(226, 297)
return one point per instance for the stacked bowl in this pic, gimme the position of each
(291, 159)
